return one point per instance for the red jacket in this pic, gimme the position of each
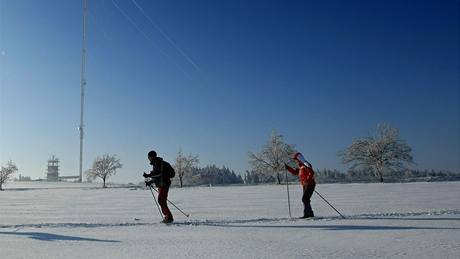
(306, 174)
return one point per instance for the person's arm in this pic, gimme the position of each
(291, 170)
(155, 173)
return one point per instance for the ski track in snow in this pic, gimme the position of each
(393, 215)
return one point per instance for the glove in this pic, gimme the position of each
(145, 175)
(148, 183)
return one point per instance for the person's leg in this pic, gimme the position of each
(307, 193)
(163, 201)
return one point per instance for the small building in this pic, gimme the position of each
(52, 175)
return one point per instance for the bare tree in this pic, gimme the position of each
(270, 161)
(384, 153)
(104, 167)
(7, 172)
(184, 163)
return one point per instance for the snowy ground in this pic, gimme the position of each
(417, 220)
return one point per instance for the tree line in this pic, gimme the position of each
(208, 175)
(383, 155)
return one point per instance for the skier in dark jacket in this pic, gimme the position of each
(161, 176)
(307, 180)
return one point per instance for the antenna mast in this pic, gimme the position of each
(82, 87)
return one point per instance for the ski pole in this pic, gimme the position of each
(329, 204)
(187, 215)
(158, 206)
(289, 199)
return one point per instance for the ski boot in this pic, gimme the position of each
(167, 220)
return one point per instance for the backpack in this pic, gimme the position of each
(168, 170)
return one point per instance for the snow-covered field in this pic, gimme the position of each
(417, 220)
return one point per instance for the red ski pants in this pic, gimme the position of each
(163, 201)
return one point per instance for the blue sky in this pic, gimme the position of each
(320, 73)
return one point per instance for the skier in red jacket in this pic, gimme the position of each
(307, 180)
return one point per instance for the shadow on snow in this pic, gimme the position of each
(54, 237)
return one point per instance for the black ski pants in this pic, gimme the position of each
(308, 190)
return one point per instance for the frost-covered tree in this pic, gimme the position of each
(6, 172)
(104, 167)
(381, 154)
(184, 164)
(251, 177)
(270, 161)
